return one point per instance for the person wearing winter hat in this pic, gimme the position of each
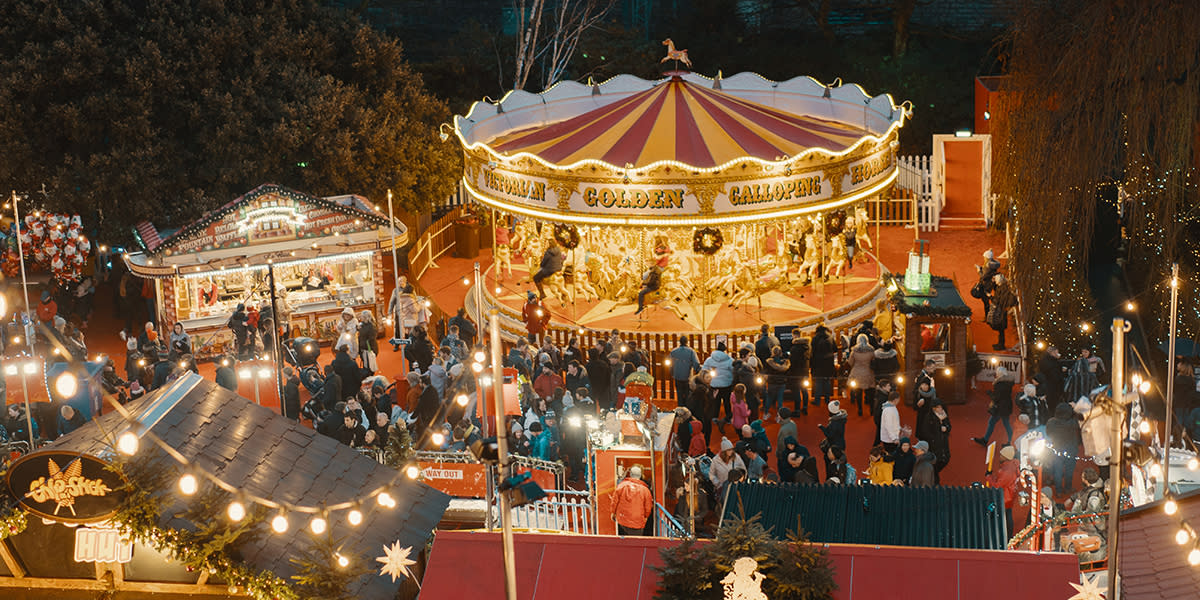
(1034, 412)
(1004, 476)
(722, 464)
(903, 461)
(923, 471)
(835, 429)
(986, 284)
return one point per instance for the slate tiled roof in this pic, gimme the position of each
(941, 517)
(261, 452)
(1152, 565)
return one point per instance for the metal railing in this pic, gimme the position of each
(666, 525)
(529, 462)
(562, 510)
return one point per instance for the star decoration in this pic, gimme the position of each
(1088, 590)
(396, 562)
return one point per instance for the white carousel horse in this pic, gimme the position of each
(673, 54)
(503, 259)
(556, 287)
(837, 257)
(812, 259)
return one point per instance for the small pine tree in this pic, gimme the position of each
(399, 451)
(793, 569)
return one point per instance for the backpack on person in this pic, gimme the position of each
(851, 474)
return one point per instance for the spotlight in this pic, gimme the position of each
(280, 523)
(188, 484)
(244, 373)
(127, 444)
(236, 511)
(1038, 448)
(10, 369)
(574, 421)
(30, 368)
(317, 525)
(354, 517)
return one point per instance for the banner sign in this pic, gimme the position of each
(65, 486)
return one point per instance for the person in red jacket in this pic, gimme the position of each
(632, 503)
(47, 309)
(1004, 476)
(536, 316)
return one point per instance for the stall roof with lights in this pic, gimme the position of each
(263, 454)
(270, 224)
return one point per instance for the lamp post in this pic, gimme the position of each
(1119, 327)
(29, 338)
(398, 329)
(510, 568)
(1170, 377)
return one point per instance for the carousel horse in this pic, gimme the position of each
(745, 288)
(810, 268)
(862, 236)
(673, 54)
(837, 257)
(503, 260)
(600, 275)
(556, 287)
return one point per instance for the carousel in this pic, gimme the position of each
(685, 204)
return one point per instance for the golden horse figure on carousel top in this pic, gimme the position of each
(673, 54)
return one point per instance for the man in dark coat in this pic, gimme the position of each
(420, 351)
(552, 262)
(1000, 407)
(466, 329)
(1063, 437)
(798, 372)
(824, 352)
(238, 324)
(427, 411)
(226, 376)
(599, 376)
(1050, 377)
(331, 390)
(291, 394)
(348, 370)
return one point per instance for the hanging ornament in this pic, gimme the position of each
(566, 235)
(396, 561)
(707, 241)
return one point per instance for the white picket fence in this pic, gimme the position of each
(915, 181)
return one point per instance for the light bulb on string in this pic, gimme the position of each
(127, 444)
(1155, 471)
(386, 500)
(354, 517)
(188, 484)
(412, 471)
(342, 561)
(279, 524)
(318, 524)
(1170, 506)
(236, 511)
(461, 400)
(437, 438)
(1144, 387)
(1193, 463)
(66, 384)
(479, 356)
(1182, 536)
(1194, 557)
(1144, 427)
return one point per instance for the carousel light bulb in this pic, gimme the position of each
(317, 525)
(947, 371)
(428, 304)
(485, 381)
(1144, 427)
(712, 372)
(1193, 464)
(807, 383)
(1175, 284)
(1144, 387)
(582, 331)
(1155, 471)
(188, 484)
(853, 383)
(899, 379)
(308, 347)
(66, 384)
(1182, 536)
(224, 362)
(279, 524)
(477, 367)
(461, 400)
(466, 281)
(1085, 326)
(342, 561)
(625, 349)
(127, 444)
(16, 339)
(1038, 448)
(55, 352)
(666, 362)
(354, 517)
(540, 312)
(1040, 345)
(574, 421)
(499, 289)
(1194, 557)
(1170, 506)
(479, 356)
(183, 364)
(236, 511)
(141, 362)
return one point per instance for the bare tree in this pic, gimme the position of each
(549, 46)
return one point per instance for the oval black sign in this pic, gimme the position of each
(66, 487)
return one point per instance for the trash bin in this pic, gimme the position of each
(466, 239)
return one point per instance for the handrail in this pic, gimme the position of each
(562, 510)
(666, 525)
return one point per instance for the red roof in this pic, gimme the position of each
(1152, 565)
(683, 122)
(604, 567)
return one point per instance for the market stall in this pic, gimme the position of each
(323, 254)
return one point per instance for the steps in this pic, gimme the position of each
(962, 222)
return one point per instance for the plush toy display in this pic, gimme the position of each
(53, 242)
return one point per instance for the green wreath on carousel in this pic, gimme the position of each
(566, 235)
(707, 241)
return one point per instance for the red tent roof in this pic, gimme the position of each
(683, 122)
(603, 567)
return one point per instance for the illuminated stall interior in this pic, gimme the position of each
(736, 189)
(326, 254)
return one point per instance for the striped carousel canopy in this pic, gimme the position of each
(683, 122)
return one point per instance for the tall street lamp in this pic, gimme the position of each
(28, 327)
